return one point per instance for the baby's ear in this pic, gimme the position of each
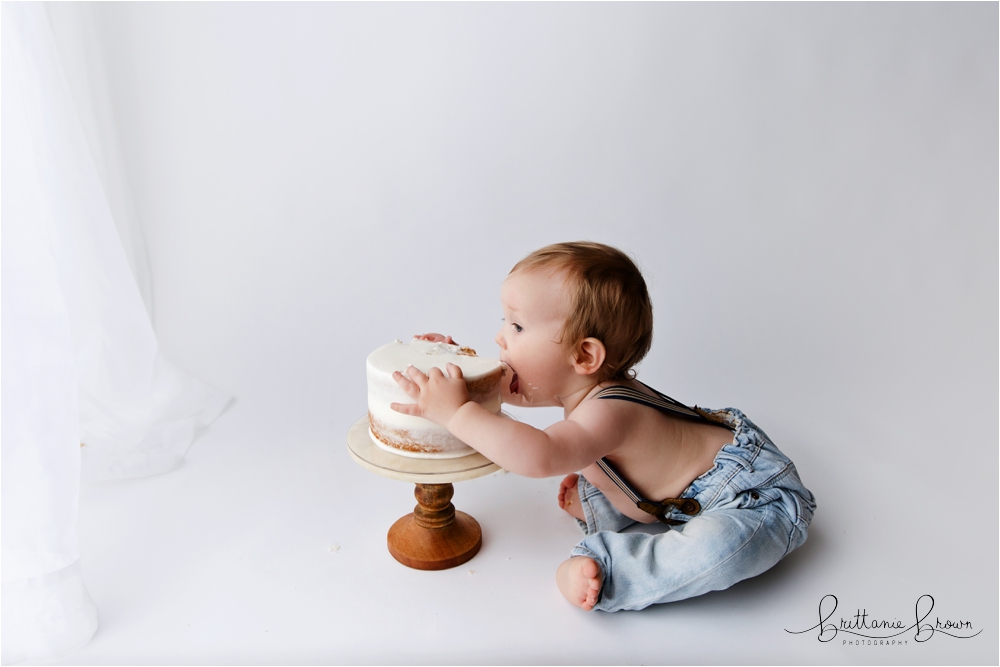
(589, 356)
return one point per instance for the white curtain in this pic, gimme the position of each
(83, 387)
(80, 45)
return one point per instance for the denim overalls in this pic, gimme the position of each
(753, 511)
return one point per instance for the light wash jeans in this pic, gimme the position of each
(754, 510)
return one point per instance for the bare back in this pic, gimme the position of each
(658, 454)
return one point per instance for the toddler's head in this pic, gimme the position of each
(610, 302)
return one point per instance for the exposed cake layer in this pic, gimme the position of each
(416, 436)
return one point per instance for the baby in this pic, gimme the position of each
(577, 319)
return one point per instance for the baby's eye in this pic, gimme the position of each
(518, 328)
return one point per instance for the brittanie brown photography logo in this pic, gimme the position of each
(864, 629)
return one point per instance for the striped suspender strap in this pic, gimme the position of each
(661, 402)
(619, 482)
(688, 506)
(664, 403)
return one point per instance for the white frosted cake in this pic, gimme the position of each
(416, 436)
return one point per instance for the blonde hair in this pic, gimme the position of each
(610, 303)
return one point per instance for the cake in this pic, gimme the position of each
(415, 436)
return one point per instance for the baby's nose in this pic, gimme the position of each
(500, 341)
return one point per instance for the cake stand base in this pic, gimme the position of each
(435, 536)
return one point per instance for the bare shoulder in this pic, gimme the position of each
(609, 421)
(597, 428)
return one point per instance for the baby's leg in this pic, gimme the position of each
(597, 512)
(712, 552)
(569, 497)
(579, 580)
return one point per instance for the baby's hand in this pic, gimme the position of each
(436, 338)
(438, 396)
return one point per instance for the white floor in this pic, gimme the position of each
(268, 547)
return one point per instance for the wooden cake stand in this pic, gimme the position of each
(435, 536)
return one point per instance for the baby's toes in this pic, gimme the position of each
(568, 482)
(567, 488)
(590, 598)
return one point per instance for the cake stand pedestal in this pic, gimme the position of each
(435, 536)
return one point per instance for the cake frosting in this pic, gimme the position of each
(415, 436)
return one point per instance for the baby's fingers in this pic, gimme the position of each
(411, 409)
(455, 371)
(436, 338)
(407, 385)
(416, 375)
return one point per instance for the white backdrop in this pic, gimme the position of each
(810, 189)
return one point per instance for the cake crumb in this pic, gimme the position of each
(335, 548)
(472, 571)
(466, 352)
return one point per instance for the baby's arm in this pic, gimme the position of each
(564, 447)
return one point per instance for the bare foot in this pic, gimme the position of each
(569, 497)
(579, 580)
